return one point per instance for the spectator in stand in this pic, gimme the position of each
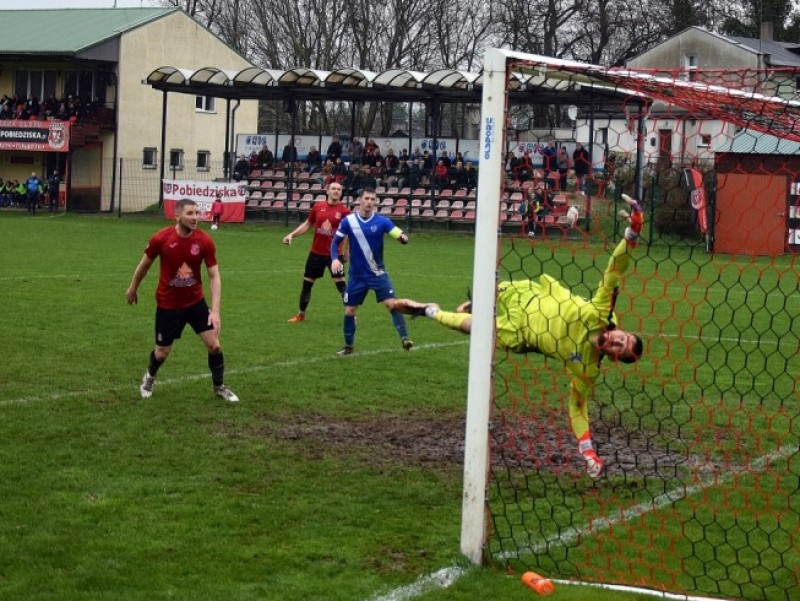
(3, 193)
(457, 158)
(563, 166)
(509, 164)
(415, 173)
(523, 167)
(32, 107)
(440, 175)
(580, 164)
(367, 179)
(372, 154)
(472, 177)
(404, 155)
(62, 114)
(549, 153)
(356, 151)
(50, 106)
(352, 183)
(334, 149)
(313, 160)
(265, 158)
(326, 173)
(392, 164)
(5, 109)
(427, 165)
(446, 159)
(32, 186)
(404, 173)
(458, 177)
(339, 170)
(241, 169)
(378, 172)
(289, 156)
(252, 161)
(416, 154)
(53, 185)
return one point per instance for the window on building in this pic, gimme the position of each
(88, 85)
(690, 63)
(205, 104)
(39, 83)
(176, 159)
(704, 141)
(203, 160)
(149, 158)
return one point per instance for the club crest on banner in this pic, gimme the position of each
(56, 136)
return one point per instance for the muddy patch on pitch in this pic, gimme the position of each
(422, 438)
(437, 439)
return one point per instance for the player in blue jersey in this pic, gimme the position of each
(365, 230)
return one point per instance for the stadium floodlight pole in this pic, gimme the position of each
(482, 335)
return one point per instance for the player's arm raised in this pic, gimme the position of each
(132, 294)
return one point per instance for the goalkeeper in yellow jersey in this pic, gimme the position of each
(542, 316)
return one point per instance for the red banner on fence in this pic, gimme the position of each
(44, 136)
(233, 197)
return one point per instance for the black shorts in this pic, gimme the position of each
(316, 266)
(170, 322)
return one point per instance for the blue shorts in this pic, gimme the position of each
(357, 289)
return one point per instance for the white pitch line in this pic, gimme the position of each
(424, 584)
(245, 370)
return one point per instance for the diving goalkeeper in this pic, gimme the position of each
(542, 316)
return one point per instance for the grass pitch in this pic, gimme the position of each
(334, 478)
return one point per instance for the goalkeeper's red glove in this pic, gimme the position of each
(636, 220)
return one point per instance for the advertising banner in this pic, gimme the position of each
(43, 136)
(233, 196)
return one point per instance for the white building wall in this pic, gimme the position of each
(173, 40)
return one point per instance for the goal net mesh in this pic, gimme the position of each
(701, 493)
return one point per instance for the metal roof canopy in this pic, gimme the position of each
(546, 86)
(542, 83)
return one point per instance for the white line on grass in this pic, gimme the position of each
(437, 580)
(424, 584)
(244, 370)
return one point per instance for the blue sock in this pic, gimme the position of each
(349, 329)
(399, 324)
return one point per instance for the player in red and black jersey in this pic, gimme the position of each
(180, 299)
(324, 217)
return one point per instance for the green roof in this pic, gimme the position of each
(69, 31)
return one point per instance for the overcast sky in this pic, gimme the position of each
(26, 4)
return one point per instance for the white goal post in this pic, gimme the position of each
(492, 148)
(481, 348)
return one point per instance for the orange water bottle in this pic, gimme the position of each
(540, 584)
